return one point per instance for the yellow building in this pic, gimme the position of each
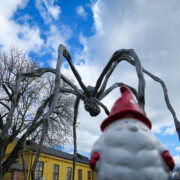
(52, 165)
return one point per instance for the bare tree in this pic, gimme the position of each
(32, 106)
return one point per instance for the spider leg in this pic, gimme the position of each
(166, 97)
(66, 54)
(104, 107)
(66, 90)
(115, 86)
(141, 83)
(114, 58)
(46, 116)
(41, 71)
(77, 92)
(44, 133)
(76, 106)
(103, 87)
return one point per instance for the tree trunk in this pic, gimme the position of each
(23, 159)
(1, 160)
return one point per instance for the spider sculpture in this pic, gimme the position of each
(91, 96)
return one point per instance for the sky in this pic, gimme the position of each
(92, 30)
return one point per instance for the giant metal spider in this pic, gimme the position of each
(91, 96)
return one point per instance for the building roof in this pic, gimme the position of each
(54, 152)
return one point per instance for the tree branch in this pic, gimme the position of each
(8, 93)
(5, 105)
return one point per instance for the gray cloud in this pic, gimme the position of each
(149, 27)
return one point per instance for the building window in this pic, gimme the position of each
(39, 170)
(69, 173)
(89, 175)
(56, 172)
(79, 174)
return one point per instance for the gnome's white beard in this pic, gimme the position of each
(129, 151)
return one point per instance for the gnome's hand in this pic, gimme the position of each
(168, 160)
(95, 156)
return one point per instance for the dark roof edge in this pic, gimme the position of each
(57, 153)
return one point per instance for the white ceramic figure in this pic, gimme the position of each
(127, 149)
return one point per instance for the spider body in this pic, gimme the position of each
(91, 103)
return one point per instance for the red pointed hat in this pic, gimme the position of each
(125, 107)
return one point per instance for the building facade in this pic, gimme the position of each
(52, 165)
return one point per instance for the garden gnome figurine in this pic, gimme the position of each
(127, 149)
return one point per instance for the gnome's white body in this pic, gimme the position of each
(129, 151)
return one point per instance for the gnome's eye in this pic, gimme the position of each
(144, 128)
(120, 126)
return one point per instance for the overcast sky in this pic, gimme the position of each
(92, 31)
